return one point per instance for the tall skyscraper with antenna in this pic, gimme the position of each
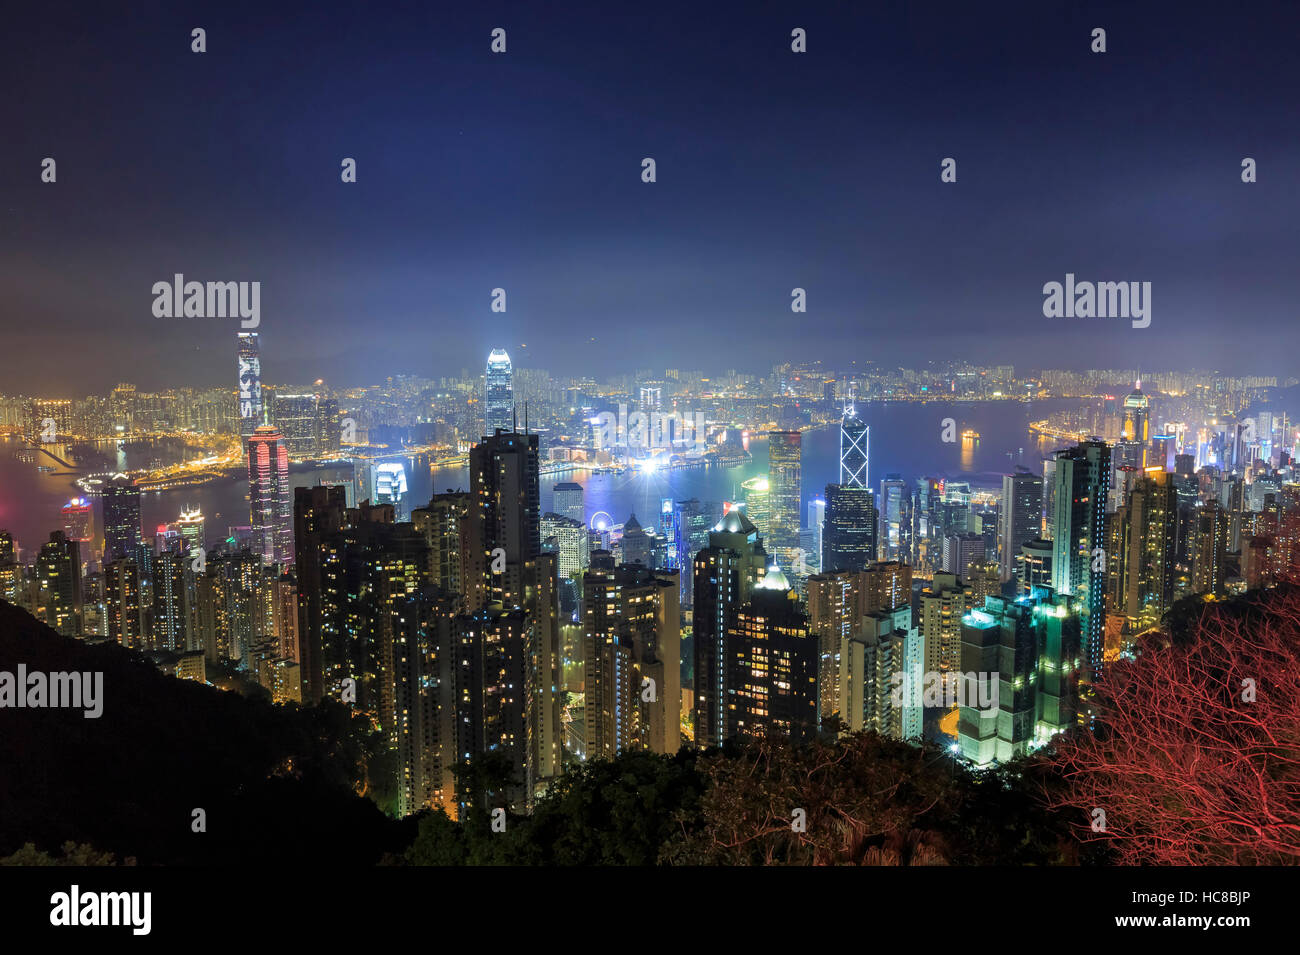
(250, 386)
(498, 393)
(855, 437)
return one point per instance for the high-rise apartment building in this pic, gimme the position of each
(771, 665)
(632, 658)
(725, 573)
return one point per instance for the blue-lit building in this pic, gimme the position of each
(498, 393)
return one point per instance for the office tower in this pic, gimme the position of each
(855, 439)
(498, 393)
(58, 568)
(636, 543)
(78, 522)
(1131, 448)
(191, 527)
(1078, 553)
(1210, 550)
(942, 605)
(1161, 451)
(725, 573)
(874, 662)
(960, 551)
(296, 416)
(572, 544)
(785, 487)
(1018, 676)
(171, 603)
(892, 490)
(849, 530)
(1147, 528)
(270, 514)
(388, 484)
(816, 524)
(447, 526)
(771, 665)
(651, 396)
(758, 503)
(329, 430)
(1035, 566)
(692, 521)
(122, 602)
(250, 387)
(1020, 518)
(568, 501)
(632, 659)
(120, 502)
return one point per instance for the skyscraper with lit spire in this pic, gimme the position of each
(855, 436)
(498, 393)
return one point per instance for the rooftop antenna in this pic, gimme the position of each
(525, 417)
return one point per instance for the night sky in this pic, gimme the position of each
(523, 171)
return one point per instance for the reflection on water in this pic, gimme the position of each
(902, 441)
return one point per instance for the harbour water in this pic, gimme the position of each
(906, 439)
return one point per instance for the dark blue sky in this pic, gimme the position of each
(522, 170)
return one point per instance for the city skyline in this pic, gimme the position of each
(678, 436)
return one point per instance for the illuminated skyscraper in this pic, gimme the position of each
(58, 567)
(758, 503)
(631, 645)
(122, 602)
(389, 483)
(1210, 549)
(298, 420)
(1020, 518)
(1147, 537)
(191, 527)
(270, 511)
(171, 604)
(855, 439)
(1082, 486)
(1029, 648)
(568, 501)
(498, 393)
(785, 489)
(691, 523)
(771, 665)
(725, 574)
(78, 520)
(849, 528)
(892, 491)
(120, 502)
(250, 386)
